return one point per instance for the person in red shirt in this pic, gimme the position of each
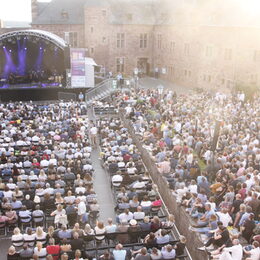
(157, 202)
(53, 249)
(242, 191)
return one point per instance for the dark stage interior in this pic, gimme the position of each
(33, 66)
(38, 94)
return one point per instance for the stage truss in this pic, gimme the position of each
(47, 36)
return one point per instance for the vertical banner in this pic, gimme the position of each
(78, 78)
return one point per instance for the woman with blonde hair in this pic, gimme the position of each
(77, 229)
(42, 176)
(240, 213)
(60, 216)
(40, 235)
(50, 233)
(58, 198)
(12, 254)
(18, 194)
(87, 179)
(78, 255)
(169, 223)
(17, 238)
(88, 230)
(40, 251)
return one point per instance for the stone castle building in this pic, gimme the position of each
(198, 43)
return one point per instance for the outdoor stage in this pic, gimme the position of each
(33, 66)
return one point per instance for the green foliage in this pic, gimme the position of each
(248, 90)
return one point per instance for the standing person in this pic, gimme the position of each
(81, 97)
(93, 135)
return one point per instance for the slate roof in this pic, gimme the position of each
(51, 13)
(148, 12)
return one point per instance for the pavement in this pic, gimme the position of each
(102, 188)
(153, 83)
(101, 183)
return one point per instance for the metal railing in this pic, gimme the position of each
(100, 89)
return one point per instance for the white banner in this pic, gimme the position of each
(78, 81)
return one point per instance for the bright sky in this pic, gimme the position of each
(15, 10)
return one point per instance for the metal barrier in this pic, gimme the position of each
(101, 90)
(65, 96)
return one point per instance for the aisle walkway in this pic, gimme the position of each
(102, 183)
(102, 188)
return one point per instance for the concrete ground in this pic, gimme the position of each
(153, 83)
(102, 188)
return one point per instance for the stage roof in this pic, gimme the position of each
(36, 33)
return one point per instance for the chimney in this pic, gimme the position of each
(34, 7)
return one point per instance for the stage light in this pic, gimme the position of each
(25, 48)
(10, 50)
(3, 47)
(40, 48)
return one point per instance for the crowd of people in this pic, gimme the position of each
(217, 184)
(139, 206)
(47, 198)
(46, 187)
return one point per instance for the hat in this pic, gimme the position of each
(133, 222)
(37, 199)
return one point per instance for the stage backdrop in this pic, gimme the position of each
(82, 69)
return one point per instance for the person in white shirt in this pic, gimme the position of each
(232, 253)
(224, 217)
(125, 216)
(116, 180)
(29, 237)
(139, 214)
(11, 185)
(138, 184)
(110, 228)
(93, 135)
(25, 214)
(53, 160)
(49, 189)
(193, 188)
(17, 236)
(254, 253)
(44, 163)
(168, 252)
(80, 188)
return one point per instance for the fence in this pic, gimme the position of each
(65, 96)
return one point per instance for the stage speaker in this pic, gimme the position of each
(216, 135)
(67, 57)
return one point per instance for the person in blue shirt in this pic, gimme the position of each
(119, 253)
(245, 216)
